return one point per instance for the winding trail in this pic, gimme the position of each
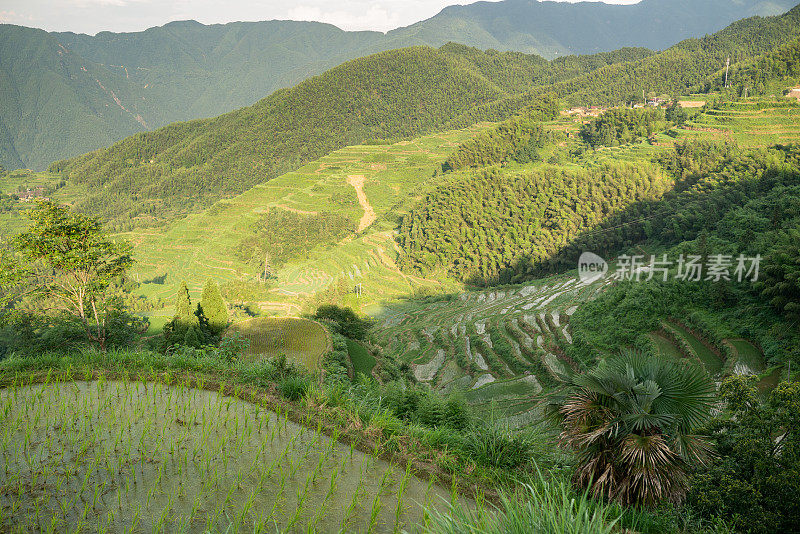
(357, 181)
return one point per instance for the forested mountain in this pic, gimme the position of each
(65, 94)
(156, 176)
(53, 102)
(553, 29)
(493, 227)
(192, 70)
(683, 67)
(475, 226)
(151, 177)
(781, 66)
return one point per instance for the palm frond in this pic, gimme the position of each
(632, 420)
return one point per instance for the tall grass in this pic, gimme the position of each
(542, 506)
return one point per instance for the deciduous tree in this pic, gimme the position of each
(65, 263)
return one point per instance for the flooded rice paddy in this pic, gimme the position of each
(146, 457)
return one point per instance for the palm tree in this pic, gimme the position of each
(632, 420)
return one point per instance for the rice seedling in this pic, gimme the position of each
(120, 456)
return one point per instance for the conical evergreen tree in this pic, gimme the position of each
(214, 307)
(184, 317)
(202, 321)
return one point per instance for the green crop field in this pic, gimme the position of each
(747, 355)
(744, 123)
(710, 361)
(665, 346)
(503, 344)
(203, 245)
(136, 457)
(300, 340)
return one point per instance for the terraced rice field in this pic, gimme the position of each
(734, 356)
(301, 340)
(137, 457)
(391, 178)
(748, 358)
(711, 361)
(504, 344)
(665, 346)
(742, 123)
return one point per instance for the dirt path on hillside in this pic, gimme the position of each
(357, 181)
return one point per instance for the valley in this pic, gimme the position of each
(365, 303)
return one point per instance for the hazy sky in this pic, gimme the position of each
(92, 16)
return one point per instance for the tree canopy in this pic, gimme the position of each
(66, 263)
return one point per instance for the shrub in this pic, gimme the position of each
(755, 481)
(294, 387)
(431, 410)
(346, 320)
(335, 363)
(494, 444)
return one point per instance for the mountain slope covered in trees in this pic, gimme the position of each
(53, 102)
(65, 93)
(684, 67)
(177, 72)
(152, 177)
(194, 70)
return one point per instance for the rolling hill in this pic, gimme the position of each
(154, 177)
(157, 176)
(54, 102)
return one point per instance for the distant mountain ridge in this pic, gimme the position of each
(552, 29)
(64, 94)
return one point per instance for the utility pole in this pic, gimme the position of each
(727, 65)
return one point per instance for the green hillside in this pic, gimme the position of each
(53, 102)
(684, 66)
(771, 73)
(393, 177)
(65, 94)
(192, 70)
(390, 313)
(95, 90)
(505, 344)
(154, 177)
